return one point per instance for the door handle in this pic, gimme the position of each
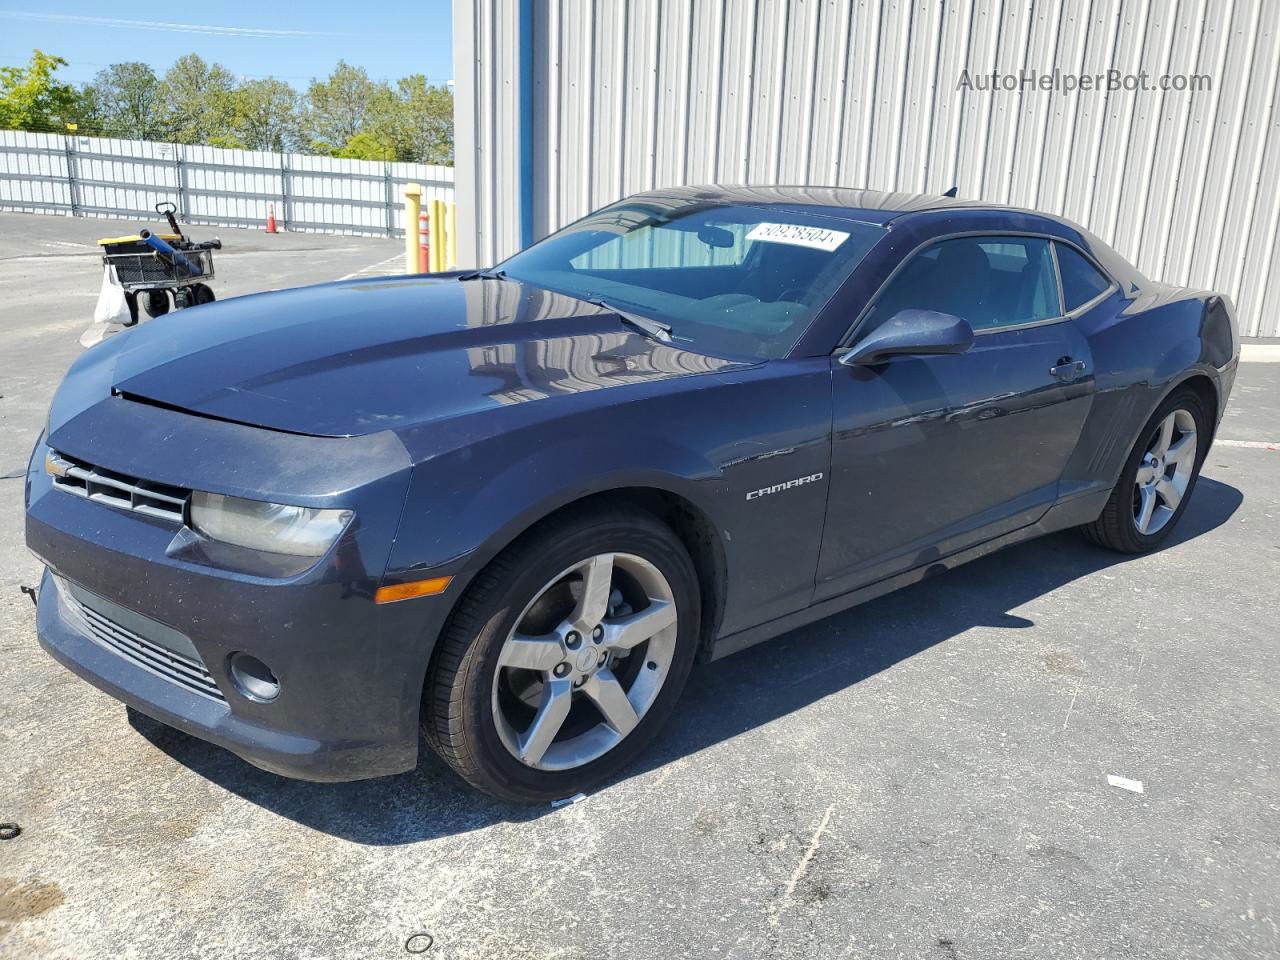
(1067, 369)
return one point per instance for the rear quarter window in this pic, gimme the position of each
(1081, 280)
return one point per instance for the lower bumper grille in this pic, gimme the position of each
(185, 672)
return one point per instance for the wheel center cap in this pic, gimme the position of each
(585, 660)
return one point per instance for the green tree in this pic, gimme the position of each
(265, 115)
(345, 115)
(367, 145)
(345, 104)
(125, 101)
(425, 128)
(31, 98)
(350, 115)
(196, 100)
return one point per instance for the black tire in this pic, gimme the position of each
(458, 716)
(201, 293)
(1116, 527)
(156, 303)
(131, 300)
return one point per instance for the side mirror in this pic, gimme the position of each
(911, 332)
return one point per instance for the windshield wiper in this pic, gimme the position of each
(655, 329)
(484, 275)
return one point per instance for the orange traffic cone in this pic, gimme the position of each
(424, 244)
(271, 219)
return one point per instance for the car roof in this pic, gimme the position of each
(878, 207)
(867, 206)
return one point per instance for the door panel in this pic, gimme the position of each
(932, 454)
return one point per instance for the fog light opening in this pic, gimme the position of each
(253, 678)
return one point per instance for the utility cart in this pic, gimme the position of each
(153, 267)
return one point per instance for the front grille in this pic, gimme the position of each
(187, 673)
(117, 489)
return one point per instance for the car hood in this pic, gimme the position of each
(359, 357)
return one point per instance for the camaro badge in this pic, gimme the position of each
(779, 487)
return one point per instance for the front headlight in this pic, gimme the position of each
(272, 527)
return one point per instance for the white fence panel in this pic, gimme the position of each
(33, 171)
(103, 177)
(119, 175)
(232, 186)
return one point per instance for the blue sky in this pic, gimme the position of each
(390, 38)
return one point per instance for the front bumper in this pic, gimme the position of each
(351, 671)
(287, 752)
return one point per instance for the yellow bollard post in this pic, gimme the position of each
(412, 207)
(451, 242)
(437, 236)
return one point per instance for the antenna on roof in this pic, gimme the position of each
(952, 192)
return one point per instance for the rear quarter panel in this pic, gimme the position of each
(1143, 348)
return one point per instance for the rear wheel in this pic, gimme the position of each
(1158, 478)
(201, 293)
(156, 303)
(565, 657)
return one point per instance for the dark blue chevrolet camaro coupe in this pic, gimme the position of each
(508, 510)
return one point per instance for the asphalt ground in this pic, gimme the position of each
(925, 776)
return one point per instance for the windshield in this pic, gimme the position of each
(728, 280)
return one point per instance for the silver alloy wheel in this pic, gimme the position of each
(1165, 472)
(603, 660)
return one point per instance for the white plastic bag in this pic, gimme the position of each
(112, 309)
(112, 306)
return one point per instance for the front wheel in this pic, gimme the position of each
(1158, 478)
(565, 657)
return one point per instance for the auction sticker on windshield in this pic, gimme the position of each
(819, 238)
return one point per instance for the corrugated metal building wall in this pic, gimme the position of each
(565, 105)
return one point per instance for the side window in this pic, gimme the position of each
(1081, 280)
(988, 281)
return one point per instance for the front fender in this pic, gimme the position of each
(466, 506)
